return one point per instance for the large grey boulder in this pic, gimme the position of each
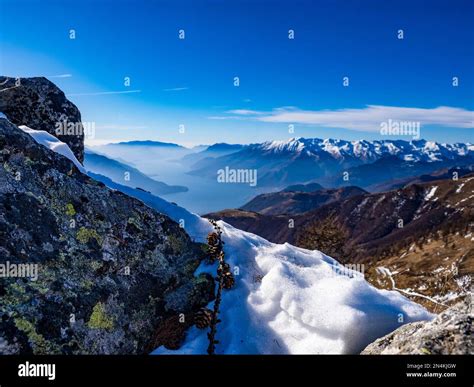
(41, 105)
(450, 333)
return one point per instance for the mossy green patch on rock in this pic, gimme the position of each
(70, 211)
(85, 234)
(99, 318)
(37, 341)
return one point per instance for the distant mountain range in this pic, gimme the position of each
(292, 201)
(209, 153)
(309, 187)
(417, 150)
(335, 163)
(370, 217)
(126, 175)
(444, 173)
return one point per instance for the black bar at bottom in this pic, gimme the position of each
(320, 370)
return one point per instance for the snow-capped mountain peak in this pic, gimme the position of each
(295, 145)
(414, 150)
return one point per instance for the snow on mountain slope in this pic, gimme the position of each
(286, 299)
(416, 150)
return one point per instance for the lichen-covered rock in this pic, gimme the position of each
(450, 333)
(110, 270)
(41, 105)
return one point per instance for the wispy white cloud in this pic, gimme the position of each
(228, 117)
(245, 112)
(104, 93)
(364, 119)
(220, 118)
(121, 127)
(177, 89)
(59, 76)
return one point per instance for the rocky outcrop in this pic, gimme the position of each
(110, 270)
(41, 105)
(450, 333)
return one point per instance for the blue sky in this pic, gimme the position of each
(190, 82)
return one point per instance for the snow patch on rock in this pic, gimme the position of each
(49, 141)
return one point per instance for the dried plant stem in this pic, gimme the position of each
(215, 315)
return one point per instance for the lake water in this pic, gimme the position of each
(204, 195)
